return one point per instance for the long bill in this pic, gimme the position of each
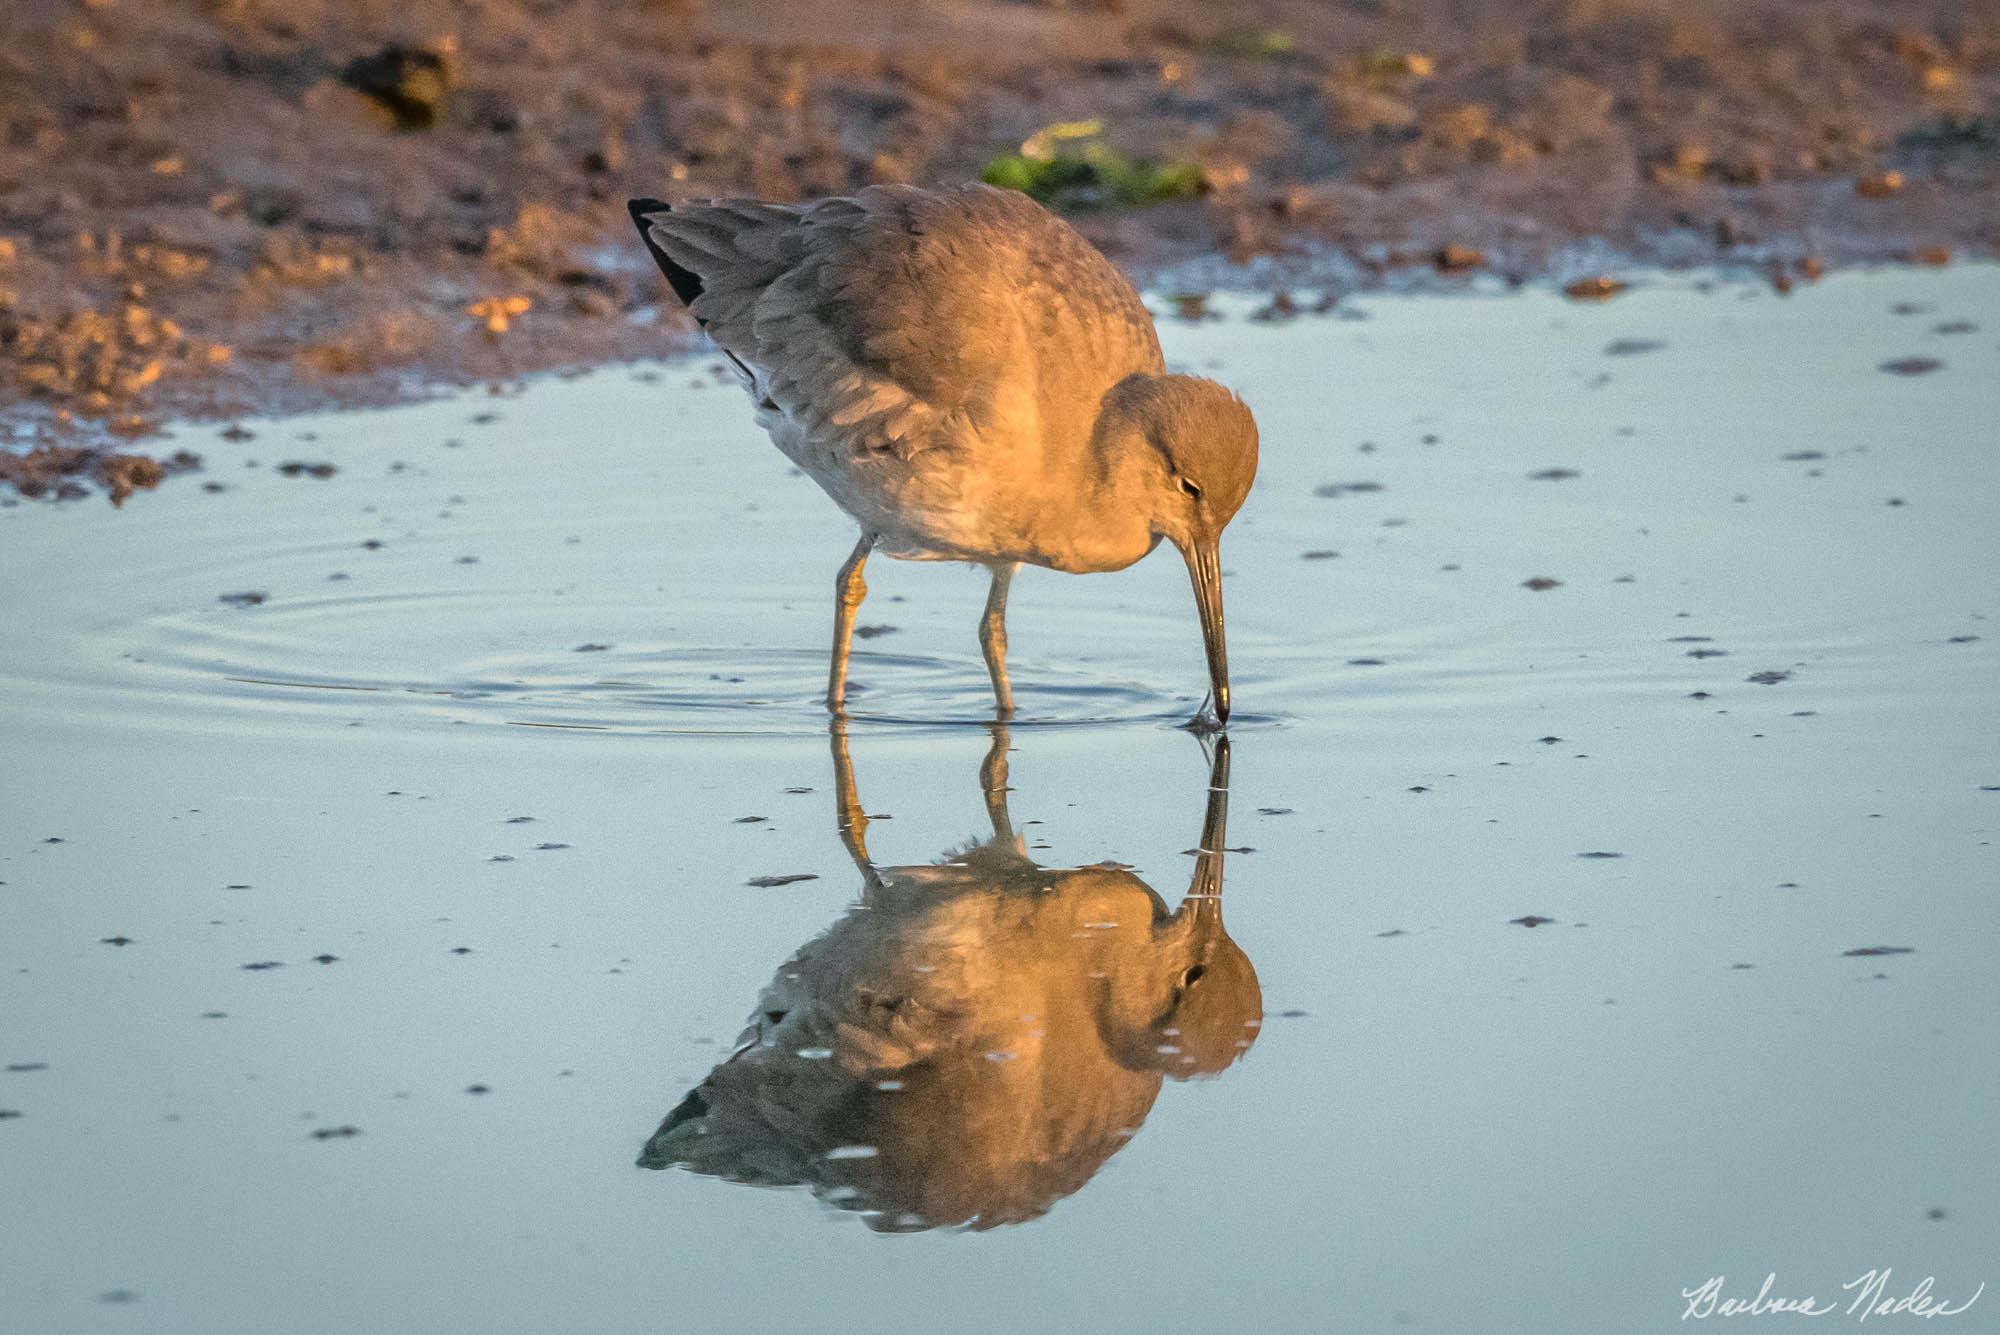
(1204, 564)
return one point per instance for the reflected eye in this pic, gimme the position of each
(1189, 487)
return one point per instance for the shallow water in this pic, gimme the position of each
(1750, 732)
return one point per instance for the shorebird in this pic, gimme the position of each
(970, 380)
(974, 1038)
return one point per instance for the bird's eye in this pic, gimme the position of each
(1189, 487)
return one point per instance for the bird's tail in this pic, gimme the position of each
(686, 282)
(722, 253)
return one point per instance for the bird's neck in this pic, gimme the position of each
(1099, 524)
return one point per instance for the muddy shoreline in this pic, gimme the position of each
(219, 209)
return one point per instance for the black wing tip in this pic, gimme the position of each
(641, 207)
(686, 283)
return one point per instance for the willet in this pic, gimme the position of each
(969, 379)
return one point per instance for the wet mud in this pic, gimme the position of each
(246, 207)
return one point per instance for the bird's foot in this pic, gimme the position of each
(1205, 723)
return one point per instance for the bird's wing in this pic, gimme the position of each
(905, 319)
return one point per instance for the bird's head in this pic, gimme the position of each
(1191, 448)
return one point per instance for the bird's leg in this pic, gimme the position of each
(993, 638)
(849, 589)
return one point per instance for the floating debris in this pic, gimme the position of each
(1599, 288)
(1912, 366)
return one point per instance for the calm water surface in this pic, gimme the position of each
(1583, 941)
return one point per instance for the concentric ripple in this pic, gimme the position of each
(406, 653)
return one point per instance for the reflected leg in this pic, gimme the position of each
(993, 784)
(847, 802)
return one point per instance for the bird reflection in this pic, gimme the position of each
(973, 1039)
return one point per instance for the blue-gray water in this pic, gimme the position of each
(1448, 1122)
